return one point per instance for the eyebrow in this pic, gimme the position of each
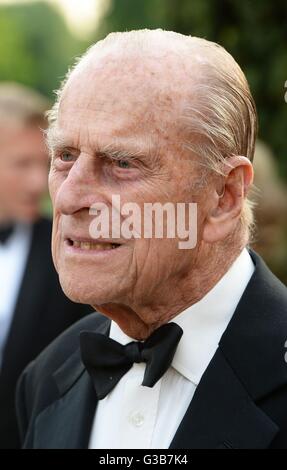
(116, 153)
(56, 141)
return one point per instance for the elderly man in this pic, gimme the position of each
(188, 348)
(33, 308)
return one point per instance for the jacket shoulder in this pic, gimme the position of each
(255, 337)
(36, 388)
(60, 350)
(52, 357)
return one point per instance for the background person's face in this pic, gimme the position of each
(118, 110)
(23, 173)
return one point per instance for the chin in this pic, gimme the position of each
(85, 294)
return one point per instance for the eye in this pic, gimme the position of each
(123, 164)
(67, 157)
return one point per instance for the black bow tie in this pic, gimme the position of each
(5, 233)
(107, 360)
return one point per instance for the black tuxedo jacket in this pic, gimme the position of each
(240, 402)
(42, 312)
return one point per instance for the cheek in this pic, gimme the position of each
(166, 260)
(153, 258)
(52, 185)
(56, 240)
(55, 181)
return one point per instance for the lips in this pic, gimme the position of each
(92, 245)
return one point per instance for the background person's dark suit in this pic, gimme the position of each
(42, 312)
(240, 402)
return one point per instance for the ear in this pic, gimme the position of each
(227, 201)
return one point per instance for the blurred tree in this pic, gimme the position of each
(36, 47)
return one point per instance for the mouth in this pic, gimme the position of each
(92, 245)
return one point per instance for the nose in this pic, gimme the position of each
(75, 193)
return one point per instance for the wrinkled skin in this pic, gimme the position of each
(144, 282)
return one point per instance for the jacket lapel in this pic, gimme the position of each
(247, 366)
(222, 414)
(67, 422)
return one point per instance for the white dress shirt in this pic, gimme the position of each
(13, 258)
(136, 417)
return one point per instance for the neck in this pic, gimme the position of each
(139, 320)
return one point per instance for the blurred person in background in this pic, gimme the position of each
(270, 211)
(33, 308)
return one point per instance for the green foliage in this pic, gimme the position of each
(36, 47)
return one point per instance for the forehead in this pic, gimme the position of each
(140, 79)
(122, 97)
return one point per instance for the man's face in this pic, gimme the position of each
(23, 173)
(107, 108)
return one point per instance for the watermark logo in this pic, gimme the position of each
(153, 220)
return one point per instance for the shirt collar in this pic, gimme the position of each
(204, 322)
